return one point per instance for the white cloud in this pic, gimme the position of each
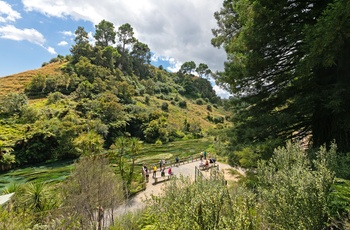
(155, 58)
(50, 8)
(62, 43)
(221, 92)
(13, 33)
(51, 50)
(31, 35)
(7, 13)
(179, 29)
(67, 33)
(174, 64)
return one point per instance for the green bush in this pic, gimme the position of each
(147, 100)
(217, 120)
(293, 193)
(13, 103)
(340, 200)
(165, 107)
(199, 101)
(158, 142)
(342, 166)
(209, 108)
(54, 97)
(183, 104)
(29, 114)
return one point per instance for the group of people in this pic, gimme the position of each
(203, 164)
(207, 160)
(145, 170)
(204, 155)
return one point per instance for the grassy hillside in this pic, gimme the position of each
(15, 83)
(161, 107)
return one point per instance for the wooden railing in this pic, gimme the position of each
(184, 160)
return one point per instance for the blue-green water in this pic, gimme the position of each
(49, 173)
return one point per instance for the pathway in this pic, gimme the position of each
(187, 170)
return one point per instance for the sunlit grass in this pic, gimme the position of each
(16, 83)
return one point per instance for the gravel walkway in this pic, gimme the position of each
(187, 170)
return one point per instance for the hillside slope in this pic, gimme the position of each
(67, 109)
(15, 83)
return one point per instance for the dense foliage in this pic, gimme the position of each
(288, 69)
(103, 91)
(291, 192)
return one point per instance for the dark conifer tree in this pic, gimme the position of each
(288, 65)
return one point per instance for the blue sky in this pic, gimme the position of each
(34, 31)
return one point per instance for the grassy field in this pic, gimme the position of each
(16, 83)
(58, 171)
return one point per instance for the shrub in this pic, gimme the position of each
(29, 114)
(54, 97)
(147, 100)
(158, 142)
(13, 103)
(199, 101)
(209, 108)
(165, 106)
(183, 104)
(295, 194)
(217, 120)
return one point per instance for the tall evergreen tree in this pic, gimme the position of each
(187, 67)
(105, 34)
(125, 36)
(203, 70)
(141, 56)
(82, 47)
(288, 66)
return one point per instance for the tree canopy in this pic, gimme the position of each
(187, 67)
(288, 66)
(105, 34)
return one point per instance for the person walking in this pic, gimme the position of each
(170, 172)
(154, 171)
(163, 165)
(147, 175)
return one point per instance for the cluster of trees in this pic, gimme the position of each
(107, 88)
(288, 67)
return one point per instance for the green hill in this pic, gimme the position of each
(44, 112)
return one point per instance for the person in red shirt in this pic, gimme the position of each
(170, 172)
